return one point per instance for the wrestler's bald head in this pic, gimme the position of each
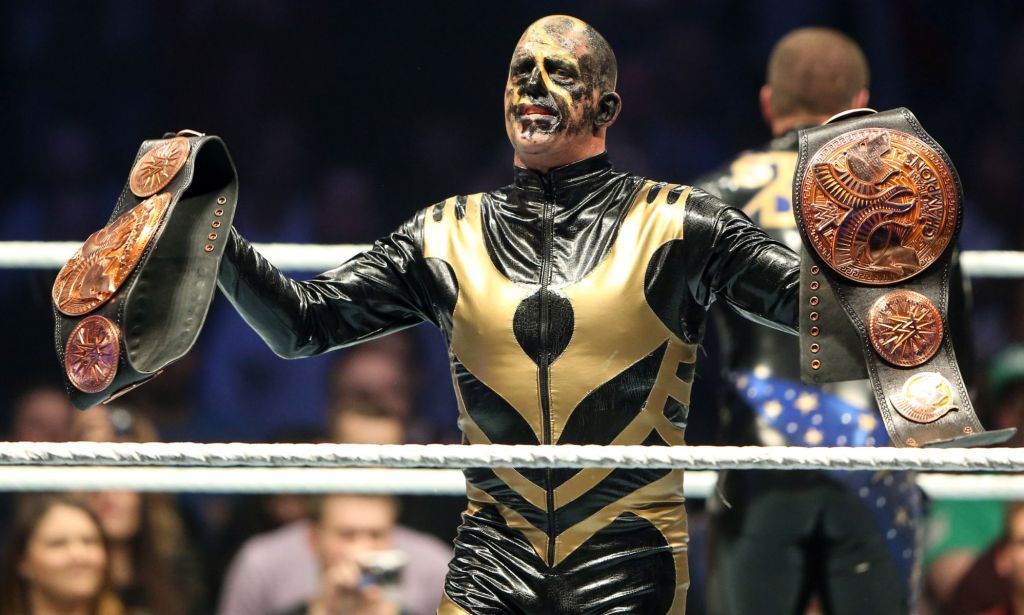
(815, 72)
(560, 95)
(595, 54)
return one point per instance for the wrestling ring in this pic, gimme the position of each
(434, 469)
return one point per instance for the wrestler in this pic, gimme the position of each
(848, 537)
(573, 301)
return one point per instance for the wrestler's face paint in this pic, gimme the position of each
(551, 94)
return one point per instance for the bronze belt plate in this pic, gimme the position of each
(92, 353)
(905, 328)
(158, 166)
(924, 398)
(879, 205)
(107, 258)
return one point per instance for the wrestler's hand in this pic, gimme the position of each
(342, 593)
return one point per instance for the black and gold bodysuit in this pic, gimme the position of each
(573, 303)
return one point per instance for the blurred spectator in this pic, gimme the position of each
(390, 375)
(960, 532)
(169, 401)
(240, 518)
(152, 566)
(381, 372)
(994, 584)
(358, 421)
(42, 414)
(1006, 383)
(292, 568)
(149, 566)
(58, 561)
(287, 570)
(346, 544)
(1009, 563)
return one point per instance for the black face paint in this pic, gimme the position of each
(550, 92)
(554, 93)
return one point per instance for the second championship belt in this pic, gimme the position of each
(133, 298)
(879, 206)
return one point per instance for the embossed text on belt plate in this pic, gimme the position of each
(878, 205)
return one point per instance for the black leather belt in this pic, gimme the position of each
(879, 206)
(133, 299)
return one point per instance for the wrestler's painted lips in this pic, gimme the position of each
(534, 111)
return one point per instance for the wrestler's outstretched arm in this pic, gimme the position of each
(734, 260)
(375, 292)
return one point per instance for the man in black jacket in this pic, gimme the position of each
(573, 301)
(847, 537)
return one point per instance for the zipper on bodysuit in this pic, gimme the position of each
(547, 220)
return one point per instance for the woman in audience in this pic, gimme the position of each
(152, 567)
(57, 563)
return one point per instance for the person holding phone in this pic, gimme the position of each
(350, 557)
(360, 569)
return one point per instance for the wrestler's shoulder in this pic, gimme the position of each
(665, 196)
(460, 204)
(665, 201)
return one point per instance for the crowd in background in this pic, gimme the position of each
(342, 122)
(161, 554)
(157, 554)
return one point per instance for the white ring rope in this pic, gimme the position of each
(237, 480)
(509, 456)
(697, 484)
(314, 257)
(287, 256)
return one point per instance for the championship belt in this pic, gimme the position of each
(879, 206)
(133, 298)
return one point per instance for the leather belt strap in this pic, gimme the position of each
(133, 299)
(878, 205)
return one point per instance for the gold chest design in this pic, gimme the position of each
(614, 328)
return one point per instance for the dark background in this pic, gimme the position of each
(345, 118)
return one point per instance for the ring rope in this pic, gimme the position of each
(287, 256)
(364, 481)
(372, 481)
(511, 456)
(320, 257)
